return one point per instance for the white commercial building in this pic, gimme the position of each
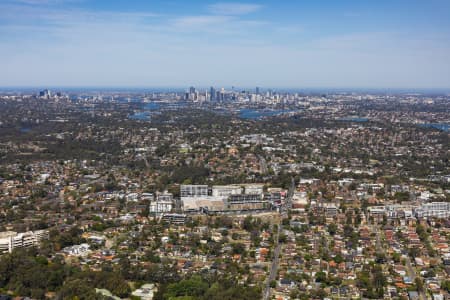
(11, 240)
(226, 190)
(161, 206)
(163, 203)
(254, 188)
(209, 202)
(433, 209)
(193, 190)
(164, 197)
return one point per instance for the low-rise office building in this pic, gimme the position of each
(11, 240)
(433, 209)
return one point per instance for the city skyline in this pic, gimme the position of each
(73, 43)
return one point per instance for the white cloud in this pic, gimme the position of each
(234, 8)
(200, 21)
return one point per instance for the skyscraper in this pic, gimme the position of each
(217, 98)
(222, 95)
(212, 92)
(45, 93)
(257, 90)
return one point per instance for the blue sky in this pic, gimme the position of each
(296, 44)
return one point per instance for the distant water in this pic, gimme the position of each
(145, 115)
(255, 114)
(127, 99)
(152, 106)
(356, 119)
(140, 116)
(439, 126)
(156, 106)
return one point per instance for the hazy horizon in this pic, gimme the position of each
(175, 89)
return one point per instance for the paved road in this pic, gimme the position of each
(274, 266)
(147, 164)
(276, 255)
(263, 163)
(378, 247)
(413, 275)
(411, 272)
